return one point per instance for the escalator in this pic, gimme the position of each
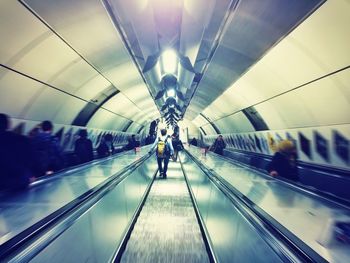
(298, 219)
(166, 229)
(91, 196)
(190, 218)
(139, 217)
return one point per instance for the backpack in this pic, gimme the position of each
(162, 148)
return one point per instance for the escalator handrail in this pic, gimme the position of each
(61, 216)
(73, 169)
(315, 193)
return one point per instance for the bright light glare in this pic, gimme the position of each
(161, 125)
(169, 61)
(170, 92)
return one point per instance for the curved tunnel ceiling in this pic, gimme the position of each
(68, 55)
(245, 65)
(301, 82)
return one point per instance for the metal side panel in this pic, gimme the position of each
(94, 236)
(22, 210)
(307, 216)
(233, 238)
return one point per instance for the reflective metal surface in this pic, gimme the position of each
(309, 218)
(22, 210)
(96, 234)
(233, 238)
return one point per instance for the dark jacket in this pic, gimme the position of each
(83, 150)
(15, 161)
(48, 153)
(218, 147)
(177, 144)
(105, 148)
(283, 166)
(132, 143)
(194, 142)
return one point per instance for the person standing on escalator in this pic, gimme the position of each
(48, 152)
(83, 148)
(218, 146)
(106, 147)
(284, 162)
(194, 142)
(16, 153)
(177, 145)
(164, 150)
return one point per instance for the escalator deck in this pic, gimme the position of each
(167, 229)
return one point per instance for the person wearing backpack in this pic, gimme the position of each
(164, 150)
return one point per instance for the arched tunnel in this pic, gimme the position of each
(258, 73)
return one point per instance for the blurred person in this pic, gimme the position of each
(16, 171)
(164, 151)
(106, 147)
(194, 142)
(177, 145)
(284, 161)
(218, 146)
(83, 148)
(137, 143)
(132, 143)
(341, 231)
(148, 140)
(47, 150)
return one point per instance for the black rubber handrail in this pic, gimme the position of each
(206, 237)
(23, 240)
(341, 172)
(282, 241)
(73, 169)
(328, 197)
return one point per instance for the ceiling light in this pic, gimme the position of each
(171, 92)
(169, 61)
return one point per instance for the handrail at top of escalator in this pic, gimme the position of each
(277, 239)
(75, 168)
(29, 235)
(308, 190)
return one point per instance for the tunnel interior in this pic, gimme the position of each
(255, 72)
